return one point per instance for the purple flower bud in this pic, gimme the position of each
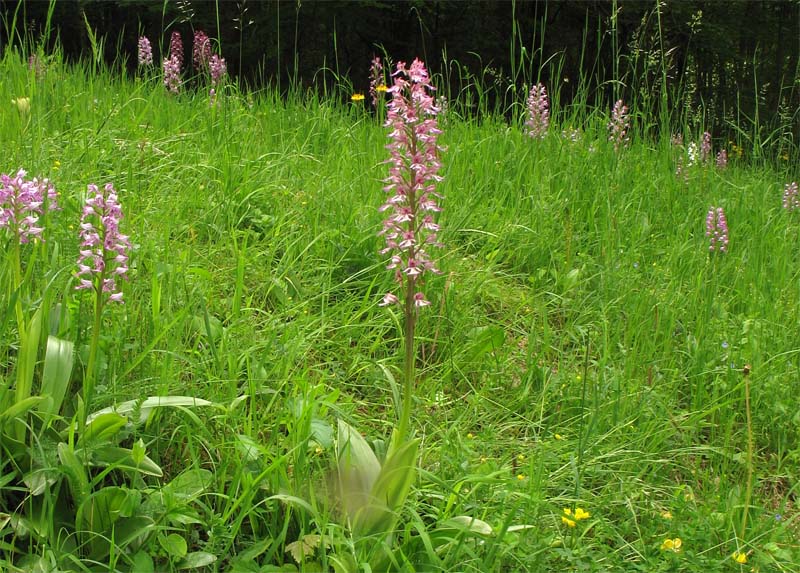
(705, 147)
(722, 159)
(102, 244)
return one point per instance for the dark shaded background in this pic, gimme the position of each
(739, 58)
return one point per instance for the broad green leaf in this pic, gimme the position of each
(248, 448)
(173, 544)
(28, 352)
(196, 559)
(19, 408)
(58, 361)
(39, 480)
(322, 432)
(390, 490)
(358, 469)
(146, 406)
(75, 471)
(189, 484)
(120, 458)
(142, 563)
(467, 524)
(102, 428)
(101, 509)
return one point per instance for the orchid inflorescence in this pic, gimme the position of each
(414, 172)
(538, 112)
(145, 52)
(717, 229)
(201, 50)
(104, 250)
(619, 125)
(22, 202)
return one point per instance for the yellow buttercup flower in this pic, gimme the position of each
(381, 88)
(740, 557)
(357, 97)
(673, 545)
(521, 477)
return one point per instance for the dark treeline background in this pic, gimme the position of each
(731, 62)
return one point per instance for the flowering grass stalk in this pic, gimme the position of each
(538, 120)
(103, 259)
(410, 229)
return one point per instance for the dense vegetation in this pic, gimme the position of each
(596, 389)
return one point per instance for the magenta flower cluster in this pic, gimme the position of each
(619, 125)
(375, 79)
(410, 229)
(172, 74)
(176, 48)
(201, 50)
(217, 68)
(145, 52)
(22, 202)
(791, 201)
(722, 159)
(705, 148)
(104, 250)
(538, 120)
(717, 229)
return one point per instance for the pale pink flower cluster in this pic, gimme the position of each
(717, 229)
(619, 125)
(375, 80)
(538, 120)
(104, 250)
(791, 201)
(411, 185)
(201, 50)
(172, 74)
(22, 202)
(176, 48)
(705, 148)
(722, 159)
(145, 52)
(217, 68)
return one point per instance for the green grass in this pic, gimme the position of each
(583, 348)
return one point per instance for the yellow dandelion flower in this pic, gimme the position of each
(357, 97)
(581, 514)
(740, 557)
(673, 545)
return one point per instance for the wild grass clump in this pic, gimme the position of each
(586, 384)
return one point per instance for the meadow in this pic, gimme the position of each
(595, 389)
